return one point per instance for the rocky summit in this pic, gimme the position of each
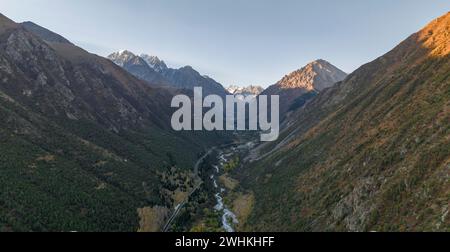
(152, 69)
(299, 86)
(245, 91)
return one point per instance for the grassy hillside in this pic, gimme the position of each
(83, 144)
(371, 153)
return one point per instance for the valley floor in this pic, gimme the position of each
(217, 204)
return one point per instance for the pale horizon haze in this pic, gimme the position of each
(236, 42)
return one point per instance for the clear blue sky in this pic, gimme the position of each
(235, 41)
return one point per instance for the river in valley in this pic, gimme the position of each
(229, 218)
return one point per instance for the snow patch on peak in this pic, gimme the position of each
(245, 91)
(122, 57)
(154, 62)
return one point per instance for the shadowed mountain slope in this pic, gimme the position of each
(370, 153)
(84, 143)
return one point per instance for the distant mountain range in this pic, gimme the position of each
(245, 91)
(138, 67)
(155, 63)
(150, 68)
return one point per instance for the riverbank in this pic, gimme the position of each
(218, 204)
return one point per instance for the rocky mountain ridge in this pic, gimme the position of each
(299, 86)
(184, 78)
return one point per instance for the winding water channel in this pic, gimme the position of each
(229, 218)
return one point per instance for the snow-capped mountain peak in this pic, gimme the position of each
(122, 57)
(245, 91)
(154, 62)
